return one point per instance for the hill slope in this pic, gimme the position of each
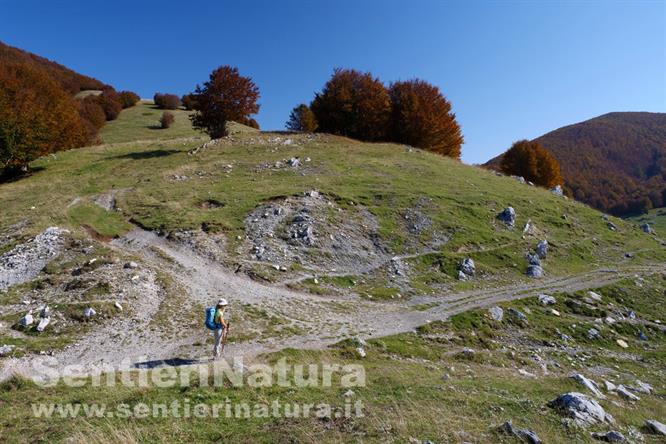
(612, 162)
(316, 240)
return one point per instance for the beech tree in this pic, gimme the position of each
(226, 96)
(302, 119)
(37, 117)
(533, 162)
(422, 117)
(353, 104)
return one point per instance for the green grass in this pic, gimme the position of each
(142, 122)
(419, 385)
(656, 218)
(104, 223)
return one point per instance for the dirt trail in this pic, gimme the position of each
(323, 320)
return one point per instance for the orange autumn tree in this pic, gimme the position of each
(353, 104)
(422, 117)
(302, 119)
(533, 162)
(37, 117)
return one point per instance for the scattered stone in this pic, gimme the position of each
(557, 190)
(6, 349)
(461, 276)
(529, 227)
(589, 384)
(131, 265)
(467, 266)
(611, 436)
(533, 259)
(611, 226)
(118, 306)
(518, 314)
(546, 299)
(508, 216)
(594, 296)
(534, 271)
(609, 320)
(642, 387)
(610, 387)
(89, 312)
(523, 372)
(45, 312)
(626, 394)
(294, 162)
(349, 393)
(542, 249)
(361, 352)
(622, 343)
(524, 435)
(496, 313)
(656, 427)
(593, 333)
(632, 315)
(27, 320)
(581, 408)
(646, 228)
(554, 312)
(43, 323)
(468, 352)
(642, 336)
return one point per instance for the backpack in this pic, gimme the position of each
(210, 319)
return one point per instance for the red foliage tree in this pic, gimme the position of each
(37, 116)
(353, 104)
(189, 102)
(302, 119)
(422, 117)
(533, 162)
(110, 103)
(226, 96)
(166, 101)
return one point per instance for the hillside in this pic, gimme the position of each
(70, 80)
(329, 250)
(612, 162)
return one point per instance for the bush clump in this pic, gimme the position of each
(166, 101)
(110, 103)
(358, 105)
(167, 119)
(189, 102)
(128, 99)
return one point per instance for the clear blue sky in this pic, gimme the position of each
(511, 69)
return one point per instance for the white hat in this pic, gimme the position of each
(222, 302)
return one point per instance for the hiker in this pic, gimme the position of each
(215, 321)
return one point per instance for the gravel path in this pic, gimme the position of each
(324, 320)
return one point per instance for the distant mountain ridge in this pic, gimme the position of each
(615, 162)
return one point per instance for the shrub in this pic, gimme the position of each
(91, 111)
(128, 99)
(110, 103)
(422, 117)
(533, 162)
(167, 119)
(166, 101)
(189, 101)
(353, 104)
(226, 96)
(302, 119)
(37, 116)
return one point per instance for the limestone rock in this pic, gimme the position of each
(581, 408)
